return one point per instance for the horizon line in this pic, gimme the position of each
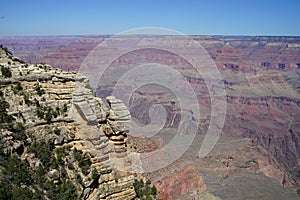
(97, 35)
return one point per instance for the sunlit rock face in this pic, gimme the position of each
(261, 77)
(60, 108)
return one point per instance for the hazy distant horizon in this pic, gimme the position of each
(202, 17)
(109, 35)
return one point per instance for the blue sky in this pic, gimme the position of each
(202, 17)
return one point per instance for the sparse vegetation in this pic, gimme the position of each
(6, 72)
(66, 190)
(36, 102)
(26, 99)
(40, 113)
(21, 175)
(17, 60)
(95, 174)
(15, 179)
(84, 162)
(39, 90)
(31, 167)
(61, 153)
(45, 112)
(5, 119)
(65, 108)
(48, 115)
(143, 190)
(19, 131)
(43, 151)
(247, 164)
(57, 131)
(6, 50)
(19, 179)
(17, 88)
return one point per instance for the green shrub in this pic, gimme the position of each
(39, 90)
(19, 131)
(39, 175)
(148, 182)
(5, 119)
(57, 109)
(54, 114)
(61, 153)
(43, 151)
(3, 104)
(6, 50)
(77, 154)
(6, 72)
(153, 191)
(95, 174)
(18, 60)
(247, 164)
(84, 162)
(22, 193)
(66, 191)
(48, 115)
(8, 193)
(17, 88)
(1, 151)
(40, 113)
(37, 103)
(85, 165)
(65, 108)
(17, 179)
(26, 99)
(5, 192)
(57, 131)
(144, 190)
(16, 171)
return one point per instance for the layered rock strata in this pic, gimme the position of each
(59, 107)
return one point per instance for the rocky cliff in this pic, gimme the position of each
(261, 76)
(72, 143)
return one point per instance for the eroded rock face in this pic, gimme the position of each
(261, 76)
(180, 182)
(118, 118)
(60, 107)
(97, 128)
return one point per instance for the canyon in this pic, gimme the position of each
(258, 153)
